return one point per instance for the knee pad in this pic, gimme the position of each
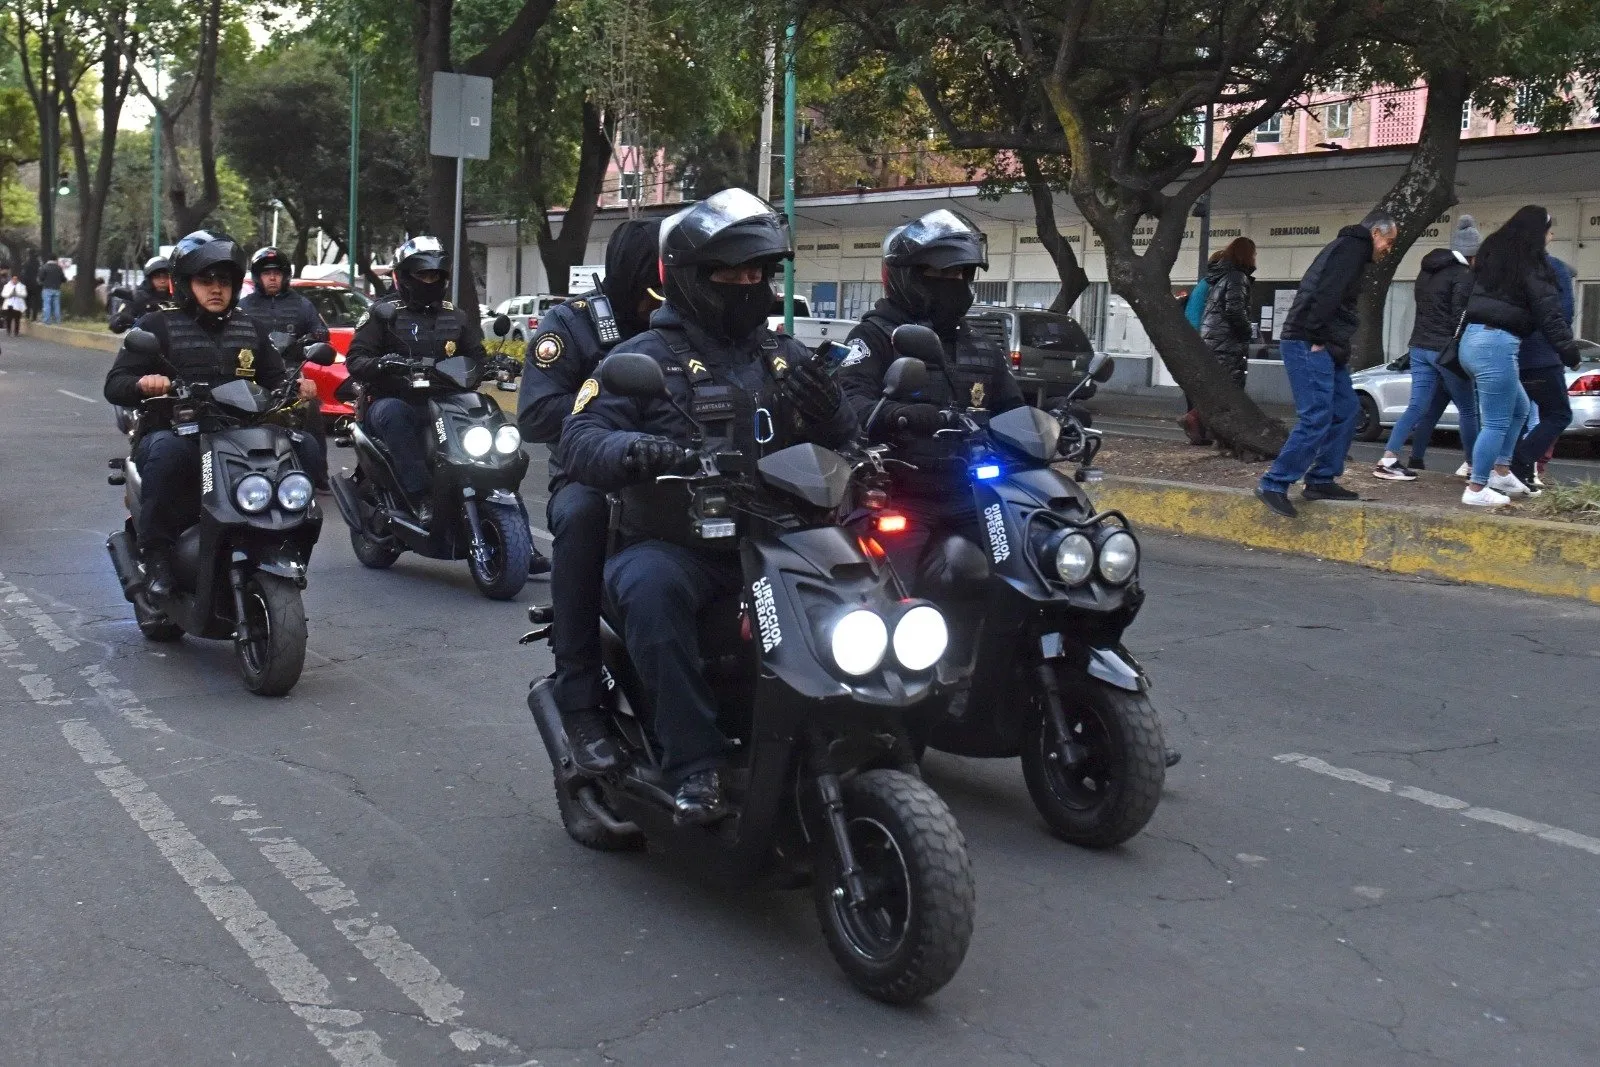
(952, 566)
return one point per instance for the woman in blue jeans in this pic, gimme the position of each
(1514, 295)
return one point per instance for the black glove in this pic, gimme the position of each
(121, 323)
(394, 365)
(1571, 357)
(922, 420)
(648, 457)
(814, 394)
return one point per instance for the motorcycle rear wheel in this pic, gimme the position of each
(271, 650)
(912, 934)
(1112, 793)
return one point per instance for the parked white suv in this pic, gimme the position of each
(524, 313)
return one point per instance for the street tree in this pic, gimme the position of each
(1488, 52)
(1116, 85)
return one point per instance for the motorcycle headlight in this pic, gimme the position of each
(920, 638)
(295, 491)
(1119, 557)
(253, 493)
(858, 642)
(477, 441)
(1074, 559)
(507, 439)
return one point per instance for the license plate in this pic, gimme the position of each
(184, 429)
(419, 383)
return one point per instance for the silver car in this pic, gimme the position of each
(1385, 391)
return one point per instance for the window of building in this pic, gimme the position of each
(1589, 311)
(629, 189)
(857, 298)
(1036, 294)
(1336, 120)
(989, 293)
(1271, 131)
(1466, 113)
(1527, 106)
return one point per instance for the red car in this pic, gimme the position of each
(341, 307)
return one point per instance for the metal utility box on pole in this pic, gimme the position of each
(462, 105)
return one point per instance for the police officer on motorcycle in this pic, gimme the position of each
(275, 303)
(571, 340)
(205, 340)
(754, 392)
(149, 294)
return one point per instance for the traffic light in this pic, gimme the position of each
(64, 185)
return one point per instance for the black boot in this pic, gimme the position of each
(594, 746)
(1173, 756)
(539, 563)
(699, 800)
(158, 572)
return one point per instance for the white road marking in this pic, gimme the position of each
(297, 980)
(1544, 831)
(542, 534)
(78, 396)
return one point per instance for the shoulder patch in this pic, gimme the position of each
(586, 392)
(580, 304)
(362, 321)
(547, 349)
(859, 350)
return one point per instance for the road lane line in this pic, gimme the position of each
(78, 396)
(1492, 816)
(297, 980)
(412, 973)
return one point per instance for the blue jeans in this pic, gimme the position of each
(52, 306)
(1328, 409)
(1490, 356)
(1432, 390)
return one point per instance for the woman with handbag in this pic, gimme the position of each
(1442, 288)
(1514, 294)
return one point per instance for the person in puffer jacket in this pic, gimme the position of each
(1443, 286)
(1542, 371)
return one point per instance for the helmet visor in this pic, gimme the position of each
(699, 227)
(938, 239)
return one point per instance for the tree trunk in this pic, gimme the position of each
(559, 252)
(118, 53)
(1424, 191)
(187, 216)
(1074, 279)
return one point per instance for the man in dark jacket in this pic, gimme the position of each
(754, 392)
(52, 276)
(149, 294)
(30, 278)
(1314, 342)
(571, 340)
(276, 305)
(1543, 372)
(1443, 286)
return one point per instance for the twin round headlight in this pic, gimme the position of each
(1074, 559)
(478, 440)
(860, 639)
(254, 493)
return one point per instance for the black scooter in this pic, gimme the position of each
(816, 671)
(238, 572)
(478, 465)
(1040, 624)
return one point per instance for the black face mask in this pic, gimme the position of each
(422, 294)
(744, 307)
(948, 300)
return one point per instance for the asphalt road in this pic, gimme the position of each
(1381, 847)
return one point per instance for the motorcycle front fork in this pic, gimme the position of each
(833, 807)
(480, 551)
(1071, 752)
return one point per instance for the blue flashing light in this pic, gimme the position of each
(986, 472)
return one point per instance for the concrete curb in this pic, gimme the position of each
(1531, 555)
(100, 341)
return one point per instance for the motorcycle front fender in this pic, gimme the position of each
(1115, 667)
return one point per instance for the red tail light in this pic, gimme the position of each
(1586, 385)
(891, 523)
(1016, 360)
(744, 626)
(871, 547)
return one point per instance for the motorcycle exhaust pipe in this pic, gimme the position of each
(344, 495)
(126, 563)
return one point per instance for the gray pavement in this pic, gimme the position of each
(371, 871)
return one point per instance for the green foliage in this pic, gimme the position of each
(1577, 501)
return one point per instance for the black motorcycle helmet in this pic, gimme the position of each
(270, 258)
(731, 229)
(939, 240)
(198, 253)
(157, 265)
(417, 255)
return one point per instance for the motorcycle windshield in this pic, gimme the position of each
(807, 472)
(456, 369)
(1027, 431)
(241, 396)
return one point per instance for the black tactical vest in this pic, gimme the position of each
(427, 335)
(203, 357)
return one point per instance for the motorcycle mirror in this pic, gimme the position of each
(919, 341)
(632, 374)
(142, 342)
(905, 378)
(502, 325)
(1102, 367)
(321, 353)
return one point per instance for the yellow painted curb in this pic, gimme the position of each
(100, 341)
(1531, 555)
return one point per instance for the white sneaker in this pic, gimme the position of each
(1538, 482)
(1464, 471)
(1508, 484)
(1484, 498)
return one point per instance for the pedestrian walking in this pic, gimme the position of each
(1314, 342)
(13, 303)
(1225, 324)
(1542, 371)
(1443, 286)
(52, 276)
(1194, 309)
(30, 279)
(1515, 294)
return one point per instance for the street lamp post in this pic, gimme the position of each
(353, 237)
(789, 44)
(155, 172)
